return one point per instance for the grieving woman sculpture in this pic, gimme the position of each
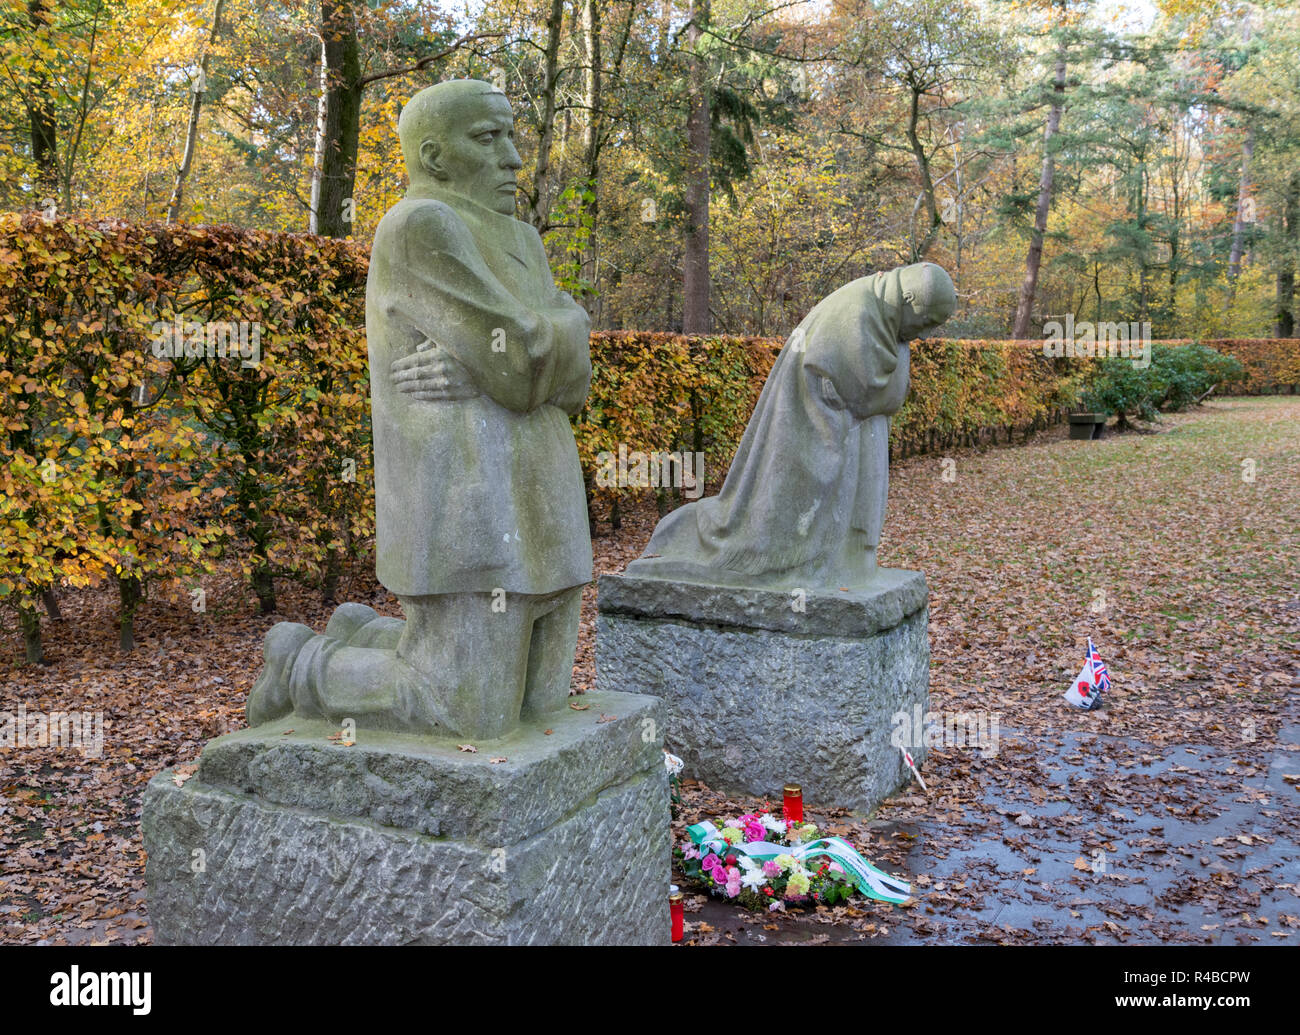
(804, 500)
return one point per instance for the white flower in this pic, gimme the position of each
(747, 864)
(776, 907)
(753, 879)
(673, 764)
(773, 824)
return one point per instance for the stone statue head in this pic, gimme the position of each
(458, 137)
(929, 299)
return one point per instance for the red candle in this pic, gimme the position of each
(678, 911)
(793, 807)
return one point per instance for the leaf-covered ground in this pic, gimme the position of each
(1172, 815)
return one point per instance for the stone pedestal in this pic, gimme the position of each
(759, 693)
(286, 837)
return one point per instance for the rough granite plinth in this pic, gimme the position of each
(759, 693)
(285, 837)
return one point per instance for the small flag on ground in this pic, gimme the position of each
(912, 766)
(1100, 676)
(1086, 690)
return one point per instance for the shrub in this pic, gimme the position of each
(1177, 376)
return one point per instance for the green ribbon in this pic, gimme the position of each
(869, 881)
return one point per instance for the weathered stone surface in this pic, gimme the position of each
(402, 839)
(750, 707)
(893, 595)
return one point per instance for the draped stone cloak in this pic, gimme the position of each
(814, 460)
(485, 493)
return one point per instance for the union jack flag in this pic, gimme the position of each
(1100, 678)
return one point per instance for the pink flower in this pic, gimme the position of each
(710, 863)
(755, 831)
(744, 821)
(690, 852)
(772, 868)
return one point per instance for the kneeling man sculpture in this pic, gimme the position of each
(476, 359)
(397, 832)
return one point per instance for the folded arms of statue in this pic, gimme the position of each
(479, 338)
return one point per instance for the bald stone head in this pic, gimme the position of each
(459, 137)
(929, 299)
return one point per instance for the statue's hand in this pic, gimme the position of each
(830, 396)
(433, 375)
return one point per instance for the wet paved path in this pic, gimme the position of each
(1207, 852)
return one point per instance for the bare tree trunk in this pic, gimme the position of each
(196, 106)
(51, 602)
(1284, 326)
(84, 105)
(932, 220)
(595, 143)
(30, 621)
(44, 127)
(1244, 201)
(958, 208)
(1244, 204)
(338, 128)
(591, 145)
(338, 114)
(130, 593)
(539, 202)
(330, 582)
(1029, 288)
(699, 140)
(318, 148)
